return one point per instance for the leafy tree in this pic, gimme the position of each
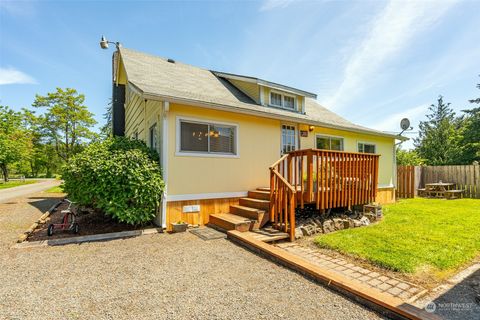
(14, 139)
(119, 176)
(67, 121)
(438, 138)
(43, 157)
(408, 158)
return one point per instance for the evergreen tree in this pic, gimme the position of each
(470, 142)
(437, 141)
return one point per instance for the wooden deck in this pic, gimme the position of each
(330, 179)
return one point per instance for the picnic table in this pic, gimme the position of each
(440, 190)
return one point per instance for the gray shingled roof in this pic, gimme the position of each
(155, 76)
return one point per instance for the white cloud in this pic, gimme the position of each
(390, 32)
(275, 4)
(13, 76)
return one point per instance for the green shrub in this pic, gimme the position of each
(120, 176)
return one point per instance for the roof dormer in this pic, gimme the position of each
(269, 94)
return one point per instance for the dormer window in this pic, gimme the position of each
(282, 100)
(275, 99)
(289, 102)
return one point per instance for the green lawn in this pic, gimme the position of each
(57, 189)
(415, 235)
(15, 183)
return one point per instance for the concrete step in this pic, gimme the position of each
(258, 194)
(228, 221)
(255, 203)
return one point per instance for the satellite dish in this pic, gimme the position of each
(405, 124)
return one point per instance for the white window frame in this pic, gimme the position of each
(366, 142)
(282, 98)
(153, 135)
(329, 136)
(295, 138)
(180, 153)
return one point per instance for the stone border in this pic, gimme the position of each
(372, 298)
(89, 238)
(41, 220)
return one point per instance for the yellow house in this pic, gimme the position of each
(219, 133)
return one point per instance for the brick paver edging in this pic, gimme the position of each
(392, 306)
(399, 288)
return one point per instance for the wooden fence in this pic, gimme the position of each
(405, 181)
(465, 177)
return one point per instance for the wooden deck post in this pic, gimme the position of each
(310, 175)
(272, 196)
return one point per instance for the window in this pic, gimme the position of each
(207, 138)
(288, 138)
(283, 101)
(366, 147)
(275, 99)
(153, 137)
(289, 102)
(329, 143)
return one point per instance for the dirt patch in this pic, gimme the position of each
(89, 221)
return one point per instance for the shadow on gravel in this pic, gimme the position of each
(462, 301)
(44, 203)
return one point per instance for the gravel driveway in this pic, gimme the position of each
(158, 276)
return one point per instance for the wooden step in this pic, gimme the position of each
(258, 194)
(247, 212)
(228, 221)
(264, 189)
(255, 203)
(266, 235)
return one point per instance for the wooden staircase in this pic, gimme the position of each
(250, 215)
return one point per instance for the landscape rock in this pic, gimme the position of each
(365, 221)
(328, 226)
(338, 223)
(298, 233)
(307, 230)
(371, 216)
(357, 223)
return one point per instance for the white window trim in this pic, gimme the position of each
(180, 153)
(329, 136)
(294, 101)
(366, 142)
(295, 138)
(282, 95)
(270, 99)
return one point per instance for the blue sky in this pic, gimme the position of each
(373, 62)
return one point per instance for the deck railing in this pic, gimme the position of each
(330, 179)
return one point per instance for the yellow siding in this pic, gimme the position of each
(250, 89)
(258, 147)
(384, 147)
(136, 110)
